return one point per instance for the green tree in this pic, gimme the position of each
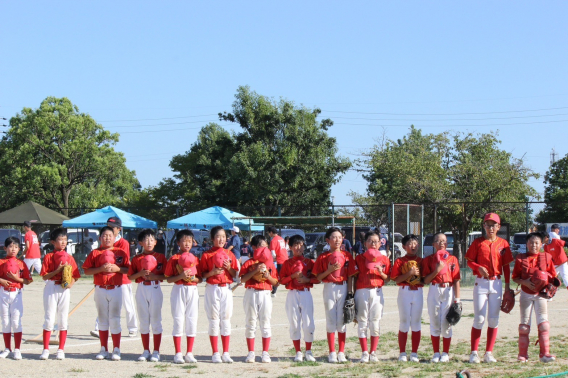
(282, 157)
(467, 174)
(555, 193)
(61, 158)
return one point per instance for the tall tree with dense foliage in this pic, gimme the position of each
(556, 193)
(61, 158)
(282, 157)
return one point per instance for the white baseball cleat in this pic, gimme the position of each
(17, 355)
(445, 357)
(60, 355)
(189, 358)
(115, 354)
(341, 357)
(364, 357)
(414, 357)
(226, 357)
(309, 356)
(216, 358)
(332, 358)
(44, 355)
(265, 357)
(132, 333)
(402, 357)
(178, 358)
(102, 354)
(300, 357)
(250, 357)
(488, 358)
(544, 359)
(5, 353)
(145, 356)
(155, 356)
(474, 358)
(436, 358)
(373, 357)
(95, 334)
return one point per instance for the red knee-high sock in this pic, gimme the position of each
(177, 344)
(331, 341)
(7, 340)
(116, 340)
(190, 340)
(446, 344)
(297, 346)
(225, 341)
(416, 341)
(17, 340)
(308, 346)
(491, 337)
(363, 342)
(374, 343)
(62, 339)
(341, 336)
(250, 344)
(475, 337)
(214, 343)
(46, 337)
(157, 341)
(145, 341)
(402, 337)
(435, 343)
(265, 344)
(103, 336)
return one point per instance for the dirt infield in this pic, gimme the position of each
(81, 347)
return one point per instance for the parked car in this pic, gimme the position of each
(429, 248)
(519, 243)
(5, 233)
(315, 241)
(397, 246)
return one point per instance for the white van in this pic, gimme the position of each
(78, 240)
(519, 242)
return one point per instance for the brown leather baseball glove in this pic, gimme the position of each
(412, 280)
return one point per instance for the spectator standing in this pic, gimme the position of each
(359, 247)
(160, 243)
(278, 249)
(234, 244)
(32, 255)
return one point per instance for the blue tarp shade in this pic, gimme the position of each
(211, 217)
(98, 218)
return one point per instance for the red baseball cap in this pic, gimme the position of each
(263, 255)
(297, 266)
(60, 257)
(492, 217)
(148, 262)
(334, 258)
(220, 258)
(188, 262)
(371, 258)
(11, 265)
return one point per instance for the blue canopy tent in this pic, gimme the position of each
(98, 218)
(211, 217)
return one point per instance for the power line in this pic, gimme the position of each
(453, 119)
(487, 125)
(447, 114)
(158, 119)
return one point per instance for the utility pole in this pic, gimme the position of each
(553, 156)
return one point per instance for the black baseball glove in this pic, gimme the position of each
(454, 314)
(349, 312)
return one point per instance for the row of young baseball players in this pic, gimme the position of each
(341, 274)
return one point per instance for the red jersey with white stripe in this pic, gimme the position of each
(556, 250)
(490, 255)
(293, 265)
(49, 265)
(122, 244)
(399, 263)
(254, 284)
(122, 260)
(322, 263)
(17, 267)
(450, 272)
(206, 264)
(369, 278)
(172, 270)
(135, 265)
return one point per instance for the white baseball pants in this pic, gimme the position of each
(219, 309)
(149, 300)
(109, 305)
(439, 302)
(369, 303)
(300, 311)
(184, 301)
(333, 301)
(36, 263)
(562, 271)
(487, 295)
(128, 306)
(12, 307)
(56, 306)
(258, 308)
(410, 305)
(530, 301)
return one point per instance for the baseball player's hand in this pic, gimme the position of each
(5, 283)
(12, 276)
(110, 268)
(296, 275)
(379, 269)
(217, 271)
(227, 264)
(260, 267)
(303, 280)
(528, 283)
(484, 273)
(333, 267)
(265, 274)
(187, 274)
(70, 284)
(60, 267)
(414, 271)
(440, 266)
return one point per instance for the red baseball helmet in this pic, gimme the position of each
(148, 262)
(337, 258)
(263, 255)
(60, 257)
(371, 258)
(220, 258)
(188, 262)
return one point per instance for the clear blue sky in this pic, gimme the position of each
(135, 60)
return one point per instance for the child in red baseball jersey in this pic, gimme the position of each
(14, 274)
(219, 267)
(366, 278)
(183, 270)
(147, 270)
(556, 249)
(259, 275)
(55, 296)
(410, 298)
(489, 258)
(107, 264)
(296, 274)
(533, 271)
(441, 271)
(331, 268)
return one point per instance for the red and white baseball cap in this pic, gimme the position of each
(188, 262)
(220, 258)
(492, 217)
(60, 257)
(297, 266)
(263, 255)
(371, 258)
(337, 258)
(148, 262)
(442, 255)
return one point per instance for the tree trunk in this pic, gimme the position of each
(65, 194)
